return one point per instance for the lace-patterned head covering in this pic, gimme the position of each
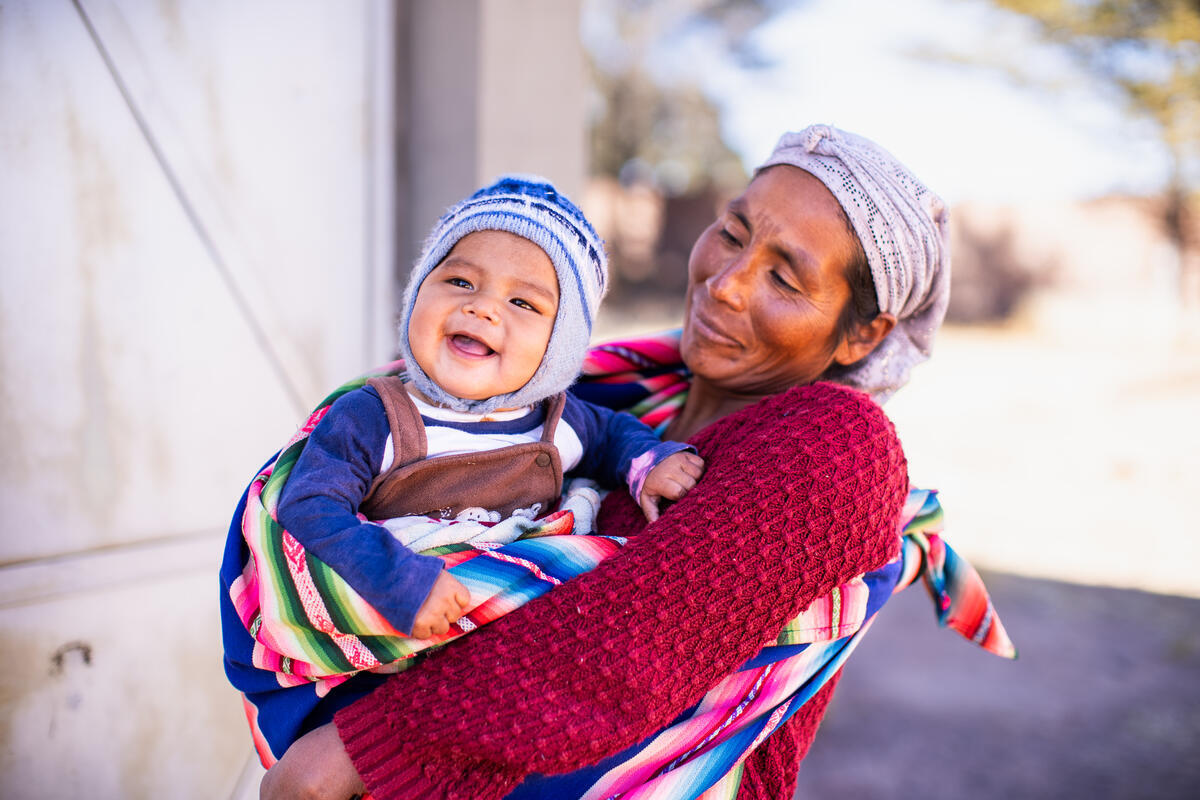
(902, 226)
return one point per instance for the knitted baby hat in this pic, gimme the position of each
(903, 227)
(533, 209)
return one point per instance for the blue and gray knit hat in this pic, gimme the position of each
(531, 208)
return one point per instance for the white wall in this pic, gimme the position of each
(202, 203)
(159, 280)
(189, 256)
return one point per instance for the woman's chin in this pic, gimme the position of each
(712, 368)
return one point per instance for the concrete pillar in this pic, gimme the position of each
(490, 87)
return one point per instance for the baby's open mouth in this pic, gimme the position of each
(470, 346)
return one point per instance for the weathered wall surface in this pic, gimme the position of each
(201, 209)
(188, 262)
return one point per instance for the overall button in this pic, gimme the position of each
(542, 460)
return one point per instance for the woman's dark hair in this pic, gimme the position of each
(863, 305)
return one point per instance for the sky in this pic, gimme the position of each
(970, 132)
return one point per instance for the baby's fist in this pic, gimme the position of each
(671, 479)
(447, 601)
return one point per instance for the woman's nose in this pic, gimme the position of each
(729, 285)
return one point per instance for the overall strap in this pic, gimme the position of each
(404, 420)
(554, 411)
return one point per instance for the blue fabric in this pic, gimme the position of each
(611, 441)
(573, 785)
(282, 723)
(319, 507)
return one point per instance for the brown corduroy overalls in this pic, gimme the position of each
(503, 480)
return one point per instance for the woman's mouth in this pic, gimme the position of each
(703, 325)
(469, 346)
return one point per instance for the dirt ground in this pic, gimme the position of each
(1102, 703)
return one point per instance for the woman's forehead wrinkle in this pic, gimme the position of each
(762, 220)
(781, 241)
(740, 211)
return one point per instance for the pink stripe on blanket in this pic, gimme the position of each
(527, 564)
(314, 607)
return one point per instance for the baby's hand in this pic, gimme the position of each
(447, 601)
(670, 479)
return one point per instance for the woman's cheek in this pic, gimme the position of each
(702, 256)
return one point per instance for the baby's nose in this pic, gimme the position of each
(483, 308)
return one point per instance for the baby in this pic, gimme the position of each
(493, 327)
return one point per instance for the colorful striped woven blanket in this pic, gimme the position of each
(312, 629)
(310, 626)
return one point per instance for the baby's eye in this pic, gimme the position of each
(525, 304)
(462, 283)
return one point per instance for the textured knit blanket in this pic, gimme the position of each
(700, 755)
(310, 627)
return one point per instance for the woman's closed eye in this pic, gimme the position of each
(729, 237)
(782, 282)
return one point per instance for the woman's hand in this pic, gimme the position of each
(315, 767)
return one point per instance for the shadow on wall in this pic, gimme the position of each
(1102, 703)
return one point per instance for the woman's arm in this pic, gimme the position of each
(803, 492)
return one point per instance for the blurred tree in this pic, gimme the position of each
(656, 134)
(1148, 51)
(666, 135)
(654, 123)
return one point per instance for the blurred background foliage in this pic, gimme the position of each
(655, 128)
(661, 165)
(659, 161)
(1147, 54)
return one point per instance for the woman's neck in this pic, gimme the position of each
(705, 405)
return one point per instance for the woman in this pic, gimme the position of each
(832, 264)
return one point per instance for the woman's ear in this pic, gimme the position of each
(865, 338)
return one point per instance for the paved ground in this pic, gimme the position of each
(1104, 702)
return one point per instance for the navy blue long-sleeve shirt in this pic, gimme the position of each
(346, 451)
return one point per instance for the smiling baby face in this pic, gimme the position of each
(482, 317)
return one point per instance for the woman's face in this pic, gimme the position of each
(766, 285)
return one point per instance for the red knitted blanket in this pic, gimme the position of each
(803, 492)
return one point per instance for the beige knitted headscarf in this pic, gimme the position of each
(903, 229)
